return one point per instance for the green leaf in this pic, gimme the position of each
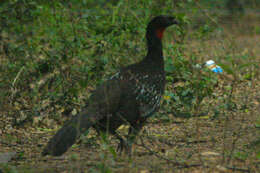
(241, 156)
(258, 155)
(227, 69)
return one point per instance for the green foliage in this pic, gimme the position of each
(6, 168)
(193, 85)
(65, 47)
(61, 48)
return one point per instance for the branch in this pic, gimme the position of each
(177, 164)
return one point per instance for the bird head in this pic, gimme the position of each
(159, 23)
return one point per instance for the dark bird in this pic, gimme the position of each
(129, 97)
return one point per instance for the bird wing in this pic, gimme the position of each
(106, 98)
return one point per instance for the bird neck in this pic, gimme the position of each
(154, 44)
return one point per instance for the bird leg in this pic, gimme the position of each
(125, 145)
(122, 145)
(132, 133)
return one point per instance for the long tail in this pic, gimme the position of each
(69, 133)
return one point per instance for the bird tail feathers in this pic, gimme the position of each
(68, 134)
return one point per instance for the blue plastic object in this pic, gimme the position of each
(213, 67)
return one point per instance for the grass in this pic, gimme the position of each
(222, 111)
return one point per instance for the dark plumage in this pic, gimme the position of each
(129, 97)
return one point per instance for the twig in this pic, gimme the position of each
(8, 144)
(167, 142)
(177, 164)
(17, 76)
(206, 14)
(39, 84)
(13, 89)
(238, 169)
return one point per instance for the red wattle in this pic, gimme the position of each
(159, 32)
